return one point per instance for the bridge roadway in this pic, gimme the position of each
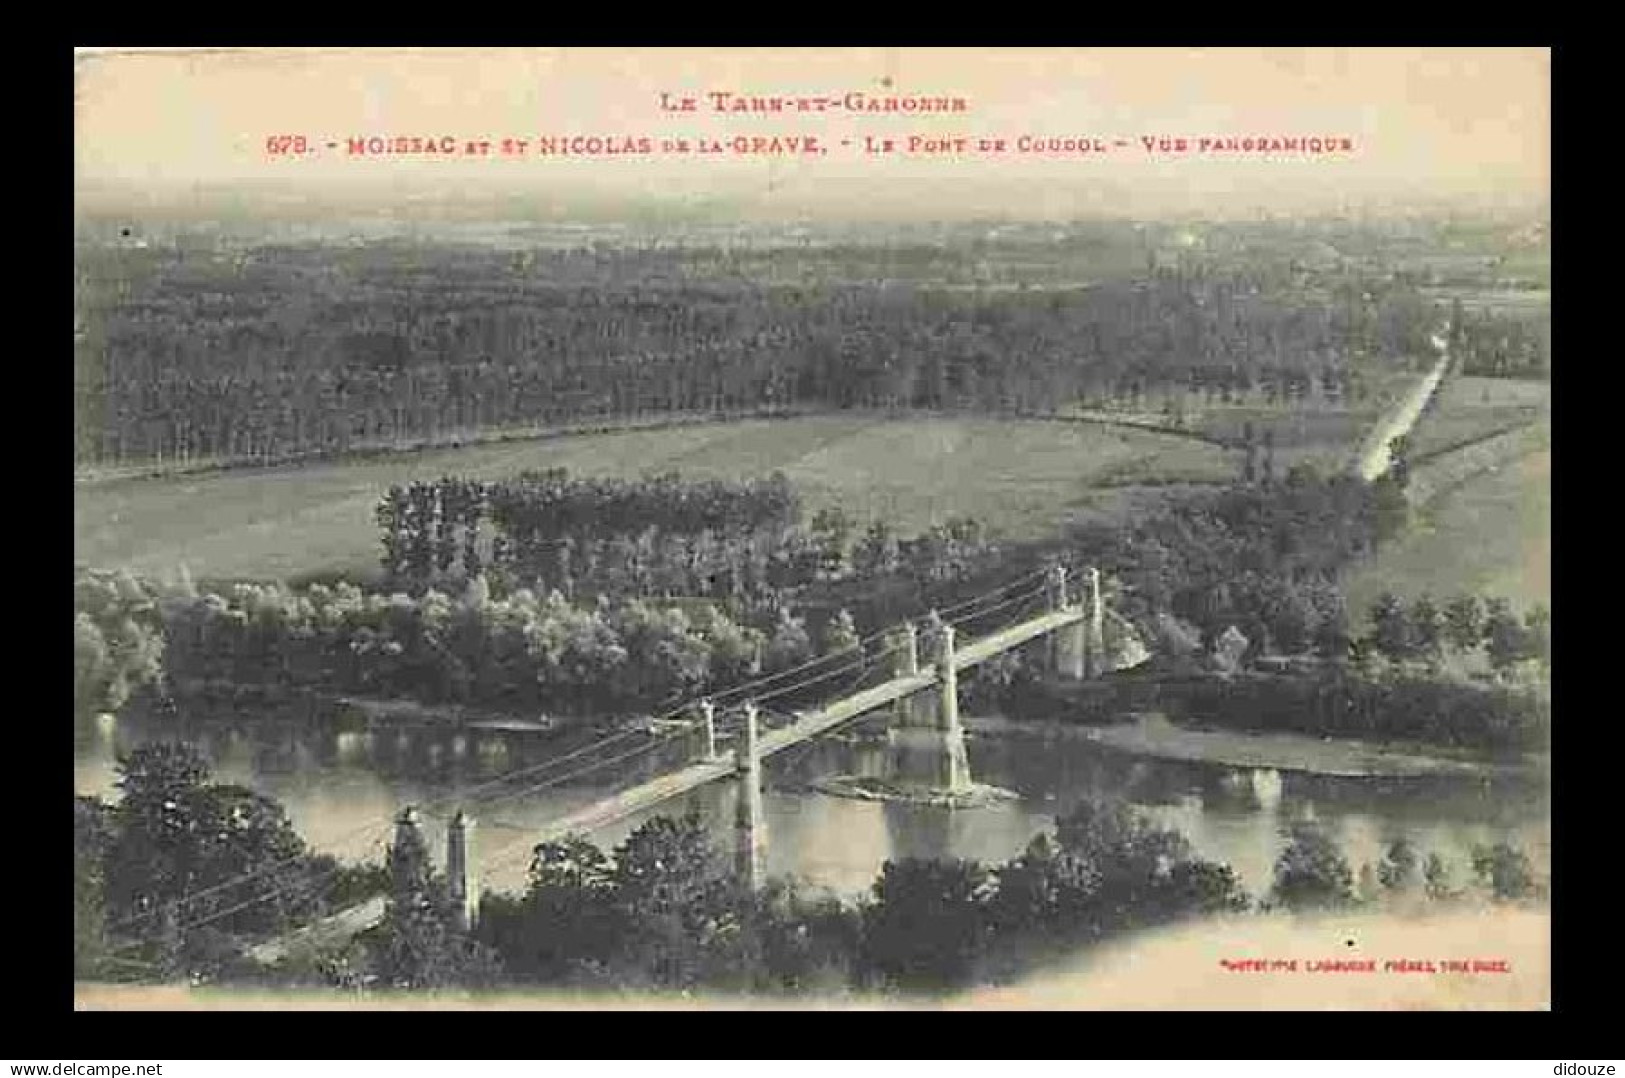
(647, 795)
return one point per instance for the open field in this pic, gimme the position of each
(1490, 535)
(1322, 434)
(1023, 477)
(1499, 300)
(1471, 407)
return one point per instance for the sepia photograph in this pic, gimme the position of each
(805, 528)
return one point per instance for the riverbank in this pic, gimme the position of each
(1155, 736)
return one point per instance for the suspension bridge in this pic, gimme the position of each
(924, 729)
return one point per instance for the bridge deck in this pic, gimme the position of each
(646, 795)
(805, 727)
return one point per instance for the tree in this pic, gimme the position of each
(1118, 840)
(92, 681)
(1464, 623)
(1436, 879)
(1332, 635)
(566, 927)
(1505, 871)
(1047, 889)
(1400, 869)
(1205, 887)
(927, 924)
(832, 534)
(1391, 631)
(118, 640)
(679, 903)
(1537, 625)
(1311, 873)
(193, 863)
(1399, 458)
(790, 644)
(804, 944)
(1291, 618)
(877, 553)
(1427, 625)
(93, 830)
(1506, 641)
(840, 634)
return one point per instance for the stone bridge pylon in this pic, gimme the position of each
(926, 737)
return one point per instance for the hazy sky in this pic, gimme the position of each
(1426, 123)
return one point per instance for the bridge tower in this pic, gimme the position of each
(956, 765)
(928, 742)
(408, 858)
(708, 726)
(1069, 644)
(904, 645)
(750, 828)
(1094, 626)
(464, 884)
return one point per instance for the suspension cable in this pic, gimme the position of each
(192, 896)
(587, 769)
(383, 825)
(325, 876)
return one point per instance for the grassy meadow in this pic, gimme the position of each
(1491, 535)
(1022, 477)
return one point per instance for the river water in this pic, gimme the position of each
(342, 789)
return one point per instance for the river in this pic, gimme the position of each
(336, 783)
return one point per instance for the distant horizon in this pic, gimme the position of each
(272, 202)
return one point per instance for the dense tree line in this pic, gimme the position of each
(1264, 557)
(522, 653)
(1313, 874)
(282, 351)
(663, 911)
(608, 651)
(1505, 345)
(1426, 632)
(738, 543)
(1342, 702)
(547, 526)
(1261, 556)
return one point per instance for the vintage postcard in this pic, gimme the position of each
(943, 528)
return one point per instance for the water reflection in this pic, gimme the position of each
(334, 780)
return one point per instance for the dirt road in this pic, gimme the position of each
(1376, 457)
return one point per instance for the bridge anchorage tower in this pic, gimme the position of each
(464, 885)
(750, 826)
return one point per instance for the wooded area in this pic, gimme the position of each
(274, 352)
